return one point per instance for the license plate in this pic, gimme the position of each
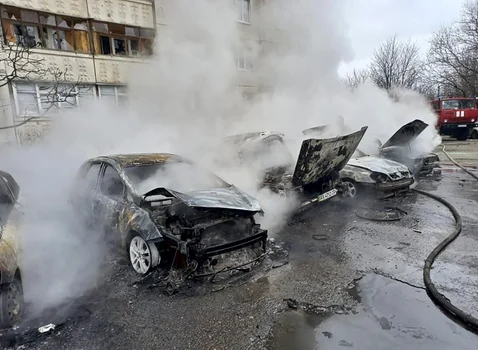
(327, 195)
(462, 126)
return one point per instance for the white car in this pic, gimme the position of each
(378, 174)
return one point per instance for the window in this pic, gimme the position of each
(36, 29)
(458, 104)
(113, 93)
(48, 100)
(243, 57)
(243, 10)
(91, 177)
(111, 184)
(120, 40)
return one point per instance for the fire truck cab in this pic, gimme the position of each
(457, 116)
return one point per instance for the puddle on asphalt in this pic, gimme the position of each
(391, 315)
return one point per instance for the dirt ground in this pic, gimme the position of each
(348, 283)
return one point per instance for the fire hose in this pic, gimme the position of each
(439, 299)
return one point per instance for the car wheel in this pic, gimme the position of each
(462, 136)
(474, 134)
(11, 303)
(349, 189)
(143, 256)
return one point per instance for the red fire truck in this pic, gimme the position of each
(457, 116)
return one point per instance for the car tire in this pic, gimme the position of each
(11, 303)
(462, 136)
(474, 134)
(143, 256)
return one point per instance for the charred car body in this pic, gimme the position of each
(315, 174)
(397, 148)
(364, 172)
(163, 208)
(11, 292)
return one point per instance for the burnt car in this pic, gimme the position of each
(314, 176)
(380, 175)
(397, 148)
(11, 291)
(364, 173)
(163, 208)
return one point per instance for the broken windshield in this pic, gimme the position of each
(458, 104)
(179, 176)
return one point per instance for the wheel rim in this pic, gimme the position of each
(14, 302)
(140, 255)
(351, 191)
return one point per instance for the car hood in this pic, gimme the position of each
(379, 165)
(216, 198)
(406, 134)
(318, 158)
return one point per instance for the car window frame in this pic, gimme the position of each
(104, 165)
(85, 171)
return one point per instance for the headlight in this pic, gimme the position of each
(378, 177)
(446, 120)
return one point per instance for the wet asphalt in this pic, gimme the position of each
(349, 284)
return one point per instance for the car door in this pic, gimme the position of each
(109, 200)
(8, 242)
(83, 193)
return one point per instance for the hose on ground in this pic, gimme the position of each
(436, 296)
(459, 165)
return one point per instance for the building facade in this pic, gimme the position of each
(93, 44)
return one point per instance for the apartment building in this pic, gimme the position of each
(94, 43)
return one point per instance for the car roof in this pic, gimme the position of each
(252, 136)
(139, 159)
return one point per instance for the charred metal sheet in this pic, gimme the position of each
(406, 134)
(318, 158)
(138, 159)
(221, 198)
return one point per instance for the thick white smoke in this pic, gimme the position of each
(188, 97)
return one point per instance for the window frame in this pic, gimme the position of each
(142, 49)
(103, 169)
(37, 93)
(242, 52)
(42, 43)
(245, 9)
(116, 92)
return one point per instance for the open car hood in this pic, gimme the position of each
(217, 198)
(318, 158)
(406, 134)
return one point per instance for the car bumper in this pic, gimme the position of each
(450, 129)
(259, 237)
(395, 185)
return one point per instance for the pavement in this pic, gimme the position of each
(348, 283)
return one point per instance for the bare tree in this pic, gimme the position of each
(357, 77)
(20, 64)
(396, 63)
(453, 54)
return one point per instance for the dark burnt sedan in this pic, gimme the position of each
(163, 208)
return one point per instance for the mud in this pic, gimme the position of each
(309, 301)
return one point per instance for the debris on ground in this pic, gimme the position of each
(380, 214)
